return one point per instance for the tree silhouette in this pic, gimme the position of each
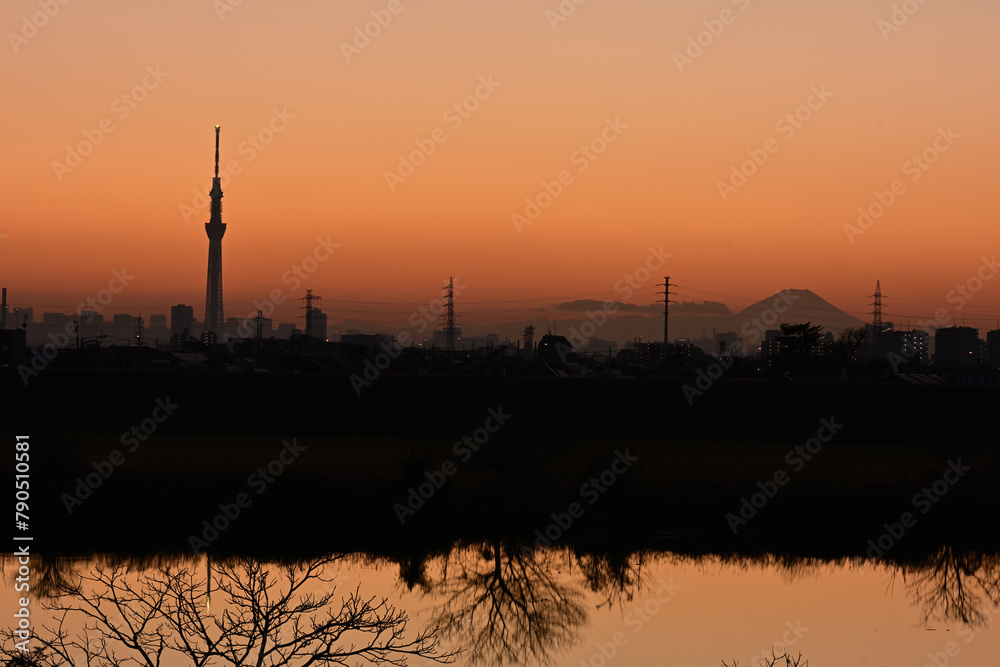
(616, 576)
(772, 661)
(506, 605)
(26, 659)
(849, 343)
(957, 586)
(266, 619)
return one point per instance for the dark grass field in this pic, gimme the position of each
(322, 403)
(361, 456)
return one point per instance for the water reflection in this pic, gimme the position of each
(264, 615)
(955, 586)
(506, 604)
(495, 600)
(503, 605)
(616, 577)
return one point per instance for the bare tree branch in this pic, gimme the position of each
(266, 619)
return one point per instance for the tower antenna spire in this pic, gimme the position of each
(215, 229)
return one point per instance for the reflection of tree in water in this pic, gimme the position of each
(264, 616)
(615, 576)
(956, 586)
(499, 602)
(48, 575)
(502, 603)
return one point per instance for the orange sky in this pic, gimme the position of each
(324, 173)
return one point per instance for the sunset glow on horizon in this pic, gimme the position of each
(533, 153)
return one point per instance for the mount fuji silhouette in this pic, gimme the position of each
(796, 306)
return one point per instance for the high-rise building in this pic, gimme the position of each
(316, 323)
(906, 351)
(916, 345)
(726, 343)
(957, 348)
(55, 319)
(647, 353)
(215, 229)
(181, 319)
(265, 325)
(315, 318)
(91, 318)
(158, 321)
(770, 348)
(235, 326)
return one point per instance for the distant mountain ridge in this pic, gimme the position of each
(687, 320)
(795, 306)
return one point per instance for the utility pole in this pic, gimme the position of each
(309, 298)
(666, 301)
(877, 324)
(877, 308)
(449, 327)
